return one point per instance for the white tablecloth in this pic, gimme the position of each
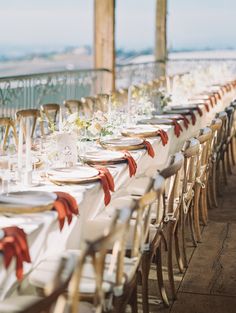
(44, 237)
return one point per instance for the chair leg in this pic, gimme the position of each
(214, 184)
(145, 266)
(183, 240)
(224, 164)
(133, 300)
(204, 205)
(170, 259)
(196, 214)
(160, 277)
(229, 163)
(191, 224)
(177, 250)
(232, 150)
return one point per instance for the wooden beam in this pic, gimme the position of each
(161, 34)
(104, 39)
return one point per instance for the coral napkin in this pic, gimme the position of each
(163, 135)
(131, 163)
(206, 106)
(149, 148)
(177, 128)
(107, 182)
(66, 206)
(199, 110)
(14, 245)
(193, 117)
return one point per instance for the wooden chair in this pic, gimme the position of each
(73, 106)
(233, 140)
(34, 115)
(215, 126)
(7, 124)
(116, 273)
(173, 195)
(202, 174)
(191, 159)
(102, 101)
(53, 292)
(221, 169)
(50, 111)
(230, 132)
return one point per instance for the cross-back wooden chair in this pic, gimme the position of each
(221, 156)
(50, 111)
(202, 174)
(7, 124)
(215, 126)
(233, 140)
(91, 104)
(173, 195)
(34, 115)
(191, 159)
(73, 106)
(107, 270)
(53, 292)
(230, 133)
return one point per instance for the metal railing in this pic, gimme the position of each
(30, 91)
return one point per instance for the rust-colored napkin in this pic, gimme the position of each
(149, 148)
(206, 106)
(193, 117)
(199, 110)
(177, 127)
(14, 245)
(66, 206)
(163, 135)
(131, 163)
(107, 182)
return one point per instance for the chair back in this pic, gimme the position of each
(112, 242)
(7, 124)
(173, 189)
(50, 111)
(191, 158)
(222, 134)
(230, 129)
(32, 114)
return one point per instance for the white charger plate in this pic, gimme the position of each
(72, 174)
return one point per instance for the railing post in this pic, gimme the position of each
(104, 40)
(161, 35)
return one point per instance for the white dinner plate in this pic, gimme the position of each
(27, 199)
(104, 155)
(123, 141)
(72, 174)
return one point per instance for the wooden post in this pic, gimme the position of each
(104, 40)
(161, 36)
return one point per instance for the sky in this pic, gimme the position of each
(192, 24)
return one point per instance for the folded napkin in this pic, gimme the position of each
(185, 120)
(14, 245)
(206, 106)
(107, 182)
(199, 110)
(177, 128)
(131, 163)
(149, 148)
(163, 135)
(66, 206)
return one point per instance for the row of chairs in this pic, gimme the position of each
(104, 274)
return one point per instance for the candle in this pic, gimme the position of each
(168, 88)
(20, 145)
(60, 120)
(28, 146)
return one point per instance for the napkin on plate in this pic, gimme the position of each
(14, 245)
(131, 163)
(107, 182)
(66, 206)
(149, 148)
(163, 135)
(177, 128)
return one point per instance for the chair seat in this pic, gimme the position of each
(17, 304)
(46, 270)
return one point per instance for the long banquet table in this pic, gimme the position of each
(43, 234)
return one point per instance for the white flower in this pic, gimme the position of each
(100, 117)
(72, 118)
(95, 128)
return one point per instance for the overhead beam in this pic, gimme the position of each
(104, 39)
(161, 34)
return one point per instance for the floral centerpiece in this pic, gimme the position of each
(161, 99)
(89, 128)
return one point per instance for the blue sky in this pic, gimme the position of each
(52, 23)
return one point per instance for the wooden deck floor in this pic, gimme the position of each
(209, 283)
